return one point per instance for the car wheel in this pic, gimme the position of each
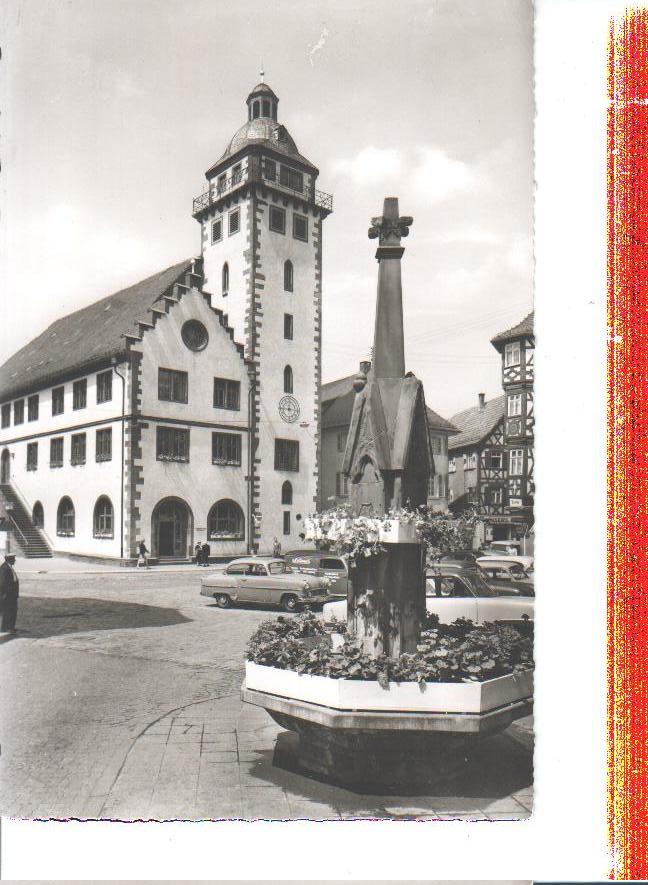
(290, 603)
(222, 600)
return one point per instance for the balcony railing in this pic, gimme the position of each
(254, 172)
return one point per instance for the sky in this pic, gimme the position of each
(114, 110)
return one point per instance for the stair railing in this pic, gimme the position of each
(16, 527)
(28, 511)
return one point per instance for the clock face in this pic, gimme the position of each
(289, 409)
(515, 427)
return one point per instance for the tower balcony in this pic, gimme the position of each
(255, 173)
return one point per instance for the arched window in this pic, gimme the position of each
(255, 110)
(225, 280)
(288, 276)
(288, 379)
(286, 493)
(65, 518)
(38, 517)
(103, 520)
(226, 522)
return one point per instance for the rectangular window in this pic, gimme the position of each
(103, 447)
(278, 219)
(217, 230)
(19, 411)
(300, 227)
(269, 169)
(514, 404)
(58, 400)
(512, 354)
(288, 326)
(286, 522)
(496, 496)
(56, 452)
(452, 465)
(32, 408)
(226, 449)
(104, 387)
(78, 448)
(516, 462)
(292, 179)
(234, 220)
(227, 394)
(173, 386)
(470, 461)
(222, 183)
(6, 415)
(286, 455)
(80, 394)
(237, 174)
(341, 485)
(341, 440)
(172, 444)
(495, 460)
(32, 456)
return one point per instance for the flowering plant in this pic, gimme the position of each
(459, 652)
(358, 536)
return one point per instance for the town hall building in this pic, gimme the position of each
(185, 408)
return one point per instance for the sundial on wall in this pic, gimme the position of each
(289, 409)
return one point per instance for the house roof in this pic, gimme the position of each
(88, 335)
(519, 331)
(474, 424)
(337, 406)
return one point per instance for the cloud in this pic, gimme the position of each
(371, 166)
(439, 176)
(519, 256)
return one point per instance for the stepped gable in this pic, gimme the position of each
(523, 328)
(475, 424)
(95, 333)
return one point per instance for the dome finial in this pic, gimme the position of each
(262, 72)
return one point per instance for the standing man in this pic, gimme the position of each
(276, 548)
(8, 594)
(206, 552)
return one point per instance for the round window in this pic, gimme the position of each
(195, 335)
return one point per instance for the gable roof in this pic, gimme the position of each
(89, 335)
(474, 424)
(523, 328)
(337, 406)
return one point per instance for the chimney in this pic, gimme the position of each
(482, 402)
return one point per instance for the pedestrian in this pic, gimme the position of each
(141, 559)
(206, 551)
(8, 594)
(198, 552)
(276, 548)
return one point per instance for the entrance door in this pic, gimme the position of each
(5, 466)
(170, 525)
(166, 539)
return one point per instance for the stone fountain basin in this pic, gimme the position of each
(360, 695)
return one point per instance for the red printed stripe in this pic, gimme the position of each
(628, 445)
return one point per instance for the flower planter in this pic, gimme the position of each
(348, 694)
(394, 532)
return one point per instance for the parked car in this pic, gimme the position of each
(264, 581)
(509, 549)
(508, 578)
(454, 591)
(323, 564)
(466, 556)
(525, 562)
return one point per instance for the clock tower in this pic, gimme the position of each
(261, 220)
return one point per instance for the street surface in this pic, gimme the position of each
(119, 699)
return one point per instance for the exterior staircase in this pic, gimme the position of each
(27, 536)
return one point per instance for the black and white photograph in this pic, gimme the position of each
(267, 411)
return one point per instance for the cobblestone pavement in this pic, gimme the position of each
(120, 699)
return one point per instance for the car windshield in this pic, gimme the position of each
(478, 585)
(278, 568)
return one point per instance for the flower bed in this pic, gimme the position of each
(448, 653)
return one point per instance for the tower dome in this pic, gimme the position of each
(262, 103)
